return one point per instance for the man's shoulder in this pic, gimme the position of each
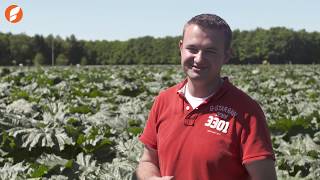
(242, 103)
(167, 96)
(237, 95)
(170, 91)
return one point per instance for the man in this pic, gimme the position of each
(204, 127)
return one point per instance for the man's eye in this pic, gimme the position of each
(192, 50)
(211, 52)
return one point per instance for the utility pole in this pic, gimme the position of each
(52, 51)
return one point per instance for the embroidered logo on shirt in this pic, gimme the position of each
(215, 122)
(224, 109)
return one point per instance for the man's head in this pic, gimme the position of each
(205, 47)
(212, 22)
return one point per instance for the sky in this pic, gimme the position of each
(125, 19)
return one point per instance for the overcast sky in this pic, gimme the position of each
(124, 19)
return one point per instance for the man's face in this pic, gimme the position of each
(202, 53)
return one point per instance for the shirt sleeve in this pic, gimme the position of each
(255, 137)
(149, 135)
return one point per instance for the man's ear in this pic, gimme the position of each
(180, 44)
(227, 55)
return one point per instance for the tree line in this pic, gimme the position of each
(278, 45)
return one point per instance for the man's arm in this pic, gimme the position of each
(148, 168)
(261, 170)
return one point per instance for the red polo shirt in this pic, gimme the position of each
(212, 141)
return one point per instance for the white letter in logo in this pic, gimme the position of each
(13, 13)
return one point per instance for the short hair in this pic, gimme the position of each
(212, 21)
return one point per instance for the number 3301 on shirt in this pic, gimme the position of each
(215, 123)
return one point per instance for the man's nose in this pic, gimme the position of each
(199, 57)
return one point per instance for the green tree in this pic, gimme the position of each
(20, 48)
(74, 50)
(62, 60)
(38, 59)
(4, 49)
(277, 45)
(41, 46)
(84, 61)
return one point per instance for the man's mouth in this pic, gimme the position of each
(198, 68)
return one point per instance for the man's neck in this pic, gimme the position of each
(202, 89)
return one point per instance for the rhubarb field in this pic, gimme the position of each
(83, 122)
